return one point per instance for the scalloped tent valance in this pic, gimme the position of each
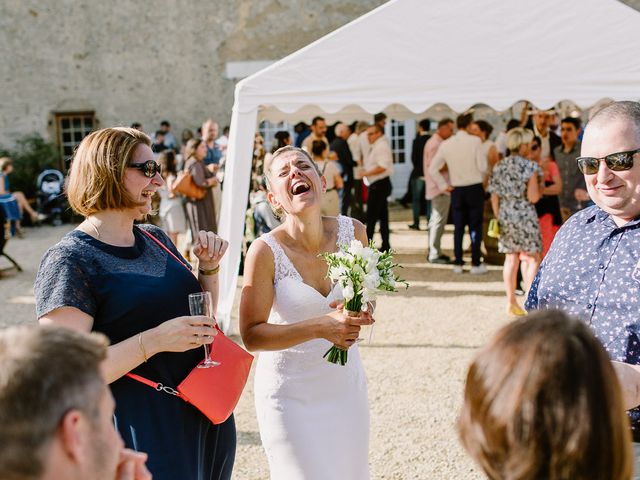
(408, 55)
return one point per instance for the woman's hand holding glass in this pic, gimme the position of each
(200, 304)
(180, 334)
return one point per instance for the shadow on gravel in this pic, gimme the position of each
(440, 274)
(416, 267)
(421, 345)
(433, 292)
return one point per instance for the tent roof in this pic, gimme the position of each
(408, 55)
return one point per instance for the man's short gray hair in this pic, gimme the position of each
(625, 110)
(46, 371)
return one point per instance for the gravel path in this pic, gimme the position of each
(423, 341)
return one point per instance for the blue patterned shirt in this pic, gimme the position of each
(592, 272)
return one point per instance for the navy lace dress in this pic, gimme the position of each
(128, 290)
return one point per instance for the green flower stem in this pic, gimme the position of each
(354, 305)
(336, 354)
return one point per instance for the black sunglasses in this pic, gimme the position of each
(617, 162)
(534, 147)
(148, 168)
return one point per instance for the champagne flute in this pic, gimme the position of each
(200, 304)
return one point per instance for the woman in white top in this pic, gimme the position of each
(171, 212)
(483, 130)
(329, 170)
(313, 415)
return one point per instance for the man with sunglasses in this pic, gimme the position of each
(592, 270)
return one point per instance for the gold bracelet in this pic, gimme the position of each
(213, 271)
(144, 352)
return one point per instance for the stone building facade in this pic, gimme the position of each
(74, 65)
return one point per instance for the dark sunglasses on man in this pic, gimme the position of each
(617, 162)
(148, 168)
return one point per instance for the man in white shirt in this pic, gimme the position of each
(378, 167)
(379, 119)
(466, 165)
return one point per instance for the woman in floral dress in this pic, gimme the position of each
(515, 188)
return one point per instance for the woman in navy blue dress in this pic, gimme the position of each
(109, 275)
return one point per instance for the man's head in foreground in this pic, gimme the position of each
(56, 410)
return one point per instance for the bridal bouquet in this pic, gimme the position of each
(361, 272)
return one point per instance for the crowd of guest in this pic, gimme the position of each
(532, 186)
(542, 400)
(460, 174)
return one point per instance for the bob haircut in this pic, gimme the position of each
(96, 180)
(518, 136)
(542, 401)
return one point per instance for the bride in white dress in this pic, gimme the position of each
(313, 415)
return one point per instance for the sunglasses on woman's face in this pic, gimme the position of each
(617, 162)
(148, 168)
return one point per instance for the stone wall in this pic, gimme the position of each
(144, 61)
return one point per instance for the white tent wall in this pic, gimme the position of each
(407, 56)
(234, 196)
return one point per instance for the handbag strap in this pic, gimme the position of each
(158, 386)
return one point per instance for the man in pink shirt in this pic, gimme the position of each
(440, 200)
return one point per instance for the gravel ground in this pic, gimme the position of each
(422, 343)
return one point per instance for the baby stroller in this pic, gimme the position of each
(51, 200)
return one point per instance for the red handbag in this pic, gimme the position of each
(214, 391)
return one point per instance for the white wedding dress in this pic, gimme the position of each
(313, 415)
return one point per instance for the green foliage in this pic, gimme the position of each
(31, 155)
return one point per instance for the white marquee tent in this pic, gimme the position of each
(409, 55)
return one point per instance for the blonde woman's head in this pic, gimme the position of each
(98, 167)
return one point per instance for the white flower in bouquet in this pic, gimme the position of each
(347, 291)
(361, 272)
(356, 248)
(372, 280)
